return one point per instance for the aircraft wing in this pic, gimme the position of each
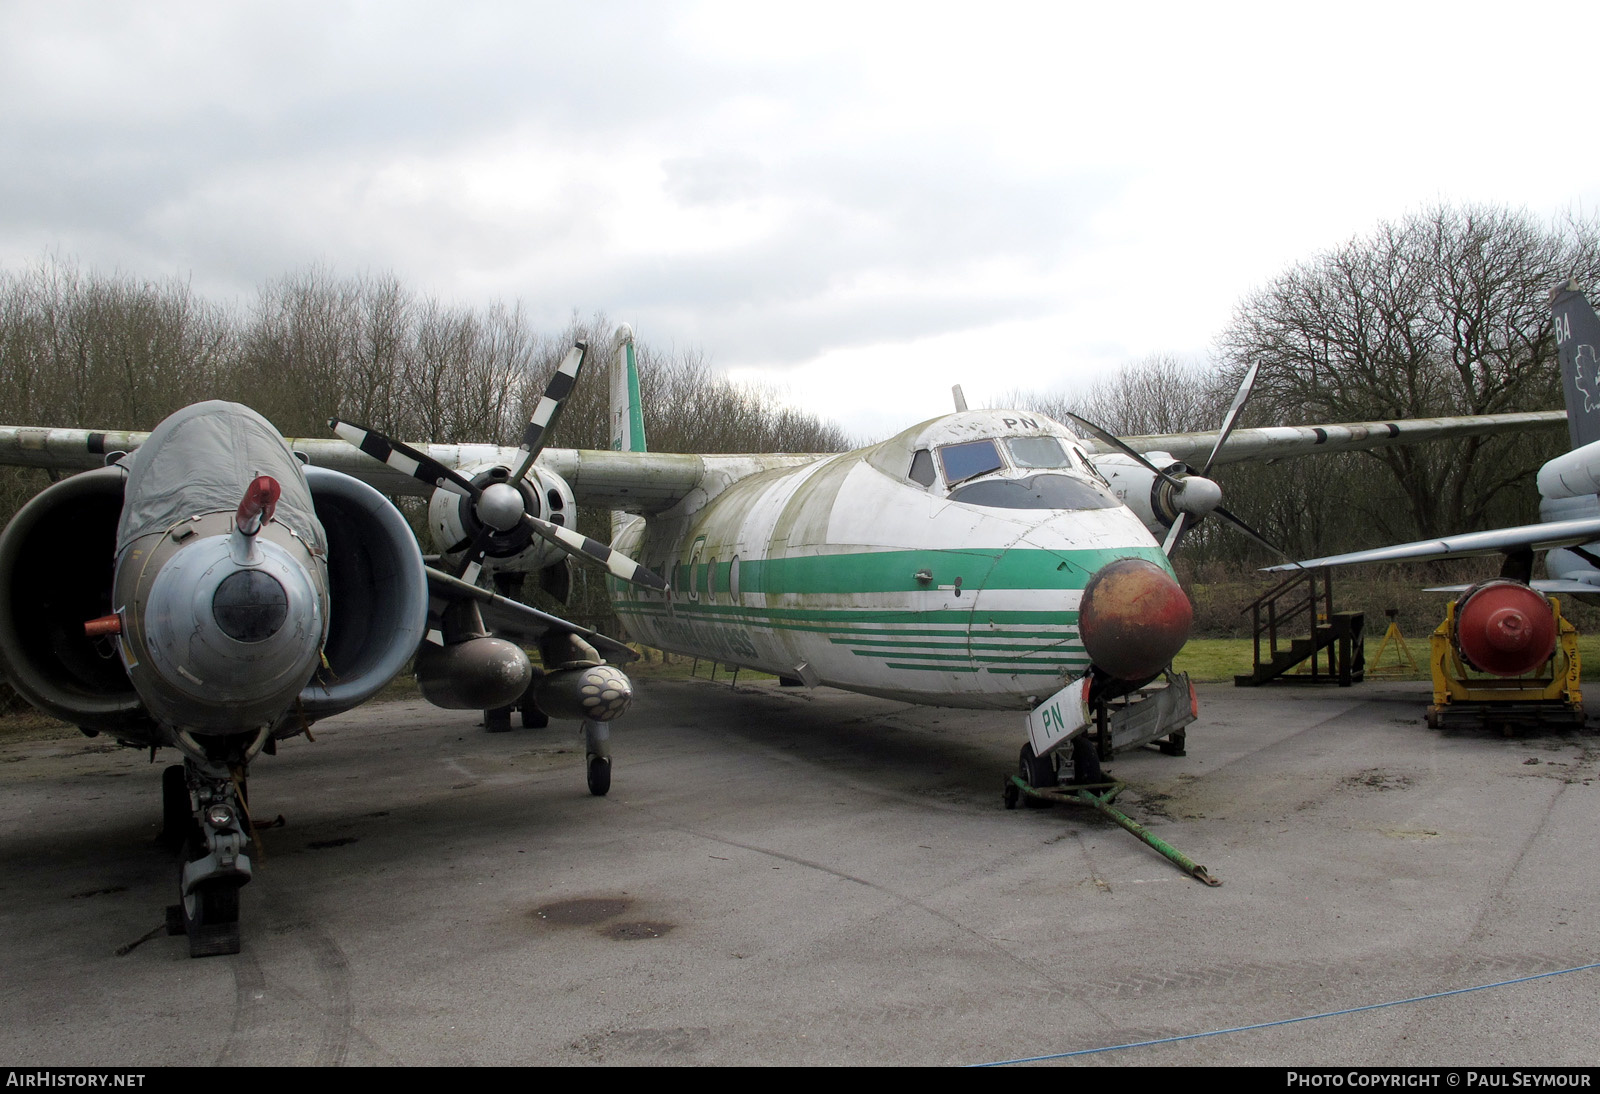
(509, 619)
(1282, 442)
(636, 482)
(1535, 537)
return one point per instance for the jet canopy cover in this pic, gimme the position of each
(222, 447)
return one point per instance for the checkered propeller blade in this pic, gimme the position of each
(620, 565)
(404, 458)
(548, 411)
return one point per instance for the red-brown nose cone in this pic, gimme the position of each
(1505, 628)
(1133, 619)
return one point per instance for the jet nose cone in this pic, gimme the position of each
(1133, 619)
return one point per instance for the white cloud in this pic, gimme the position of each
(858, 200)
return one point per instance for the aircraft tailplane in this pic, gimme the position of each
(1578, 342)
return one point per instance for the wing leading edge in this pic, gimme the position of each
(1282, 442)
(1531, 537)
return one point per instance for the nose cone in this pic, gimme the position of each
(1505, 628)
(1133, 619)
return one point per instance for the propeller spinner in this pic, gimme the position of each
(1193, 496)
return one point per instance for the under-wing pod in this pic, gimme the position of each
(598, 693)
(479, 673)
(1504, 628)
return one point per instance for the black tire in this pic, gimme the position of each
(534, 718)
(1085, 761)
(599, 775)
(497, 720)
(210, 914)
(1037, 773)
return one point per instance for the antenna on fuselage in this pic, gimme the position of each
(961, 400)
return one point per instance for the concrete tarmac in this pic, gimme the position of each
(783, 877)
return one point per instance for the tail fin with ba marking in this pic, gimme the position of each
(1578, 343)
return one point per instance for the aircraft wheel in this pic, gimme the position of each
(497, 720)
(1037, 773)
(534, 718)
(210, 916)
(599, 775)
(1085, 761)
(176, 816)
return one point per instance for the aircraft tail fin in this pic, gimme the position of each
(1578, 343)
(627, 416)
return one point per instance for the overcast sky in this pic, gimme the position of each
(860, 203)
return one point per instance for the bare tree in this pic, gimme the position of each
(1445, 312)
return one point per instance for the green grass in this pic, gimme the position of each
(1221, 658)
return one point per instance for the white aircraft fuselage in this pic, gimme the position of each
(946, 565)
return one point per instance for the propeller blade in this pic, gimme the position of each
(1251, 532)
(403, 458)
(548, 412)
(1121, 446)
(1229, 419)
(1175, 533)
(620, 565)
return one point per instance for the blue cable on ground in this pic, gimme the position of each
(1284, 1021)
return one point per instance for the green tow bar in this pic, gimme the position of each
(1102, 803)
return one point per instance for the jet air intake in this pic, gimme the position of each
(1133, 619)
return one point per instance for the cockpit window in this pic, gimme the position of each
(969, 460)
(922, 467)
(1038, 452)
(1038, 492)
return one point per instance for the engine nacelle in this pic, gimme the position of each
(57, 558)
(1574, 474)
(1504, 628)
(1150, 497)
(377, 592)
(453, 522)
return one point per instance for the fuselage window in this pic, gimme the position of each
(711, 582)
(733, 579)
(1037, 452)
(1038, 492)
(922, 467)
(969, 460)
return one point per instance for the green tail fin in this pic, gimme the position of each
(627, 416)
